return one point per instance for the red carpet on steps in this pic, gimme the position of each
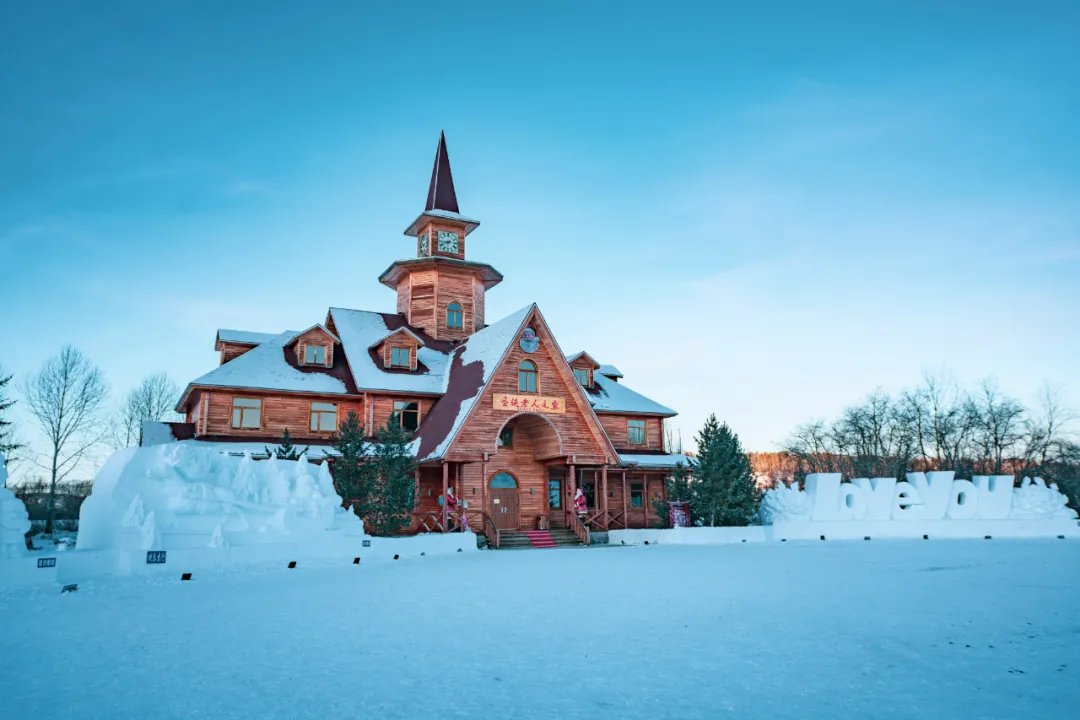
(540, 538)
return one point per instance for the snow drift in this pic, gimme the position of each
(176, 497)
(14, 521)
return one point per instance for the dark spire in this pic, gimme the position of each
(441, 195)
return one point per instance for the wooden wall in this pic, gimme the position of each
(278, 412)
(229, 351)
(454, 286)
(400, 340)
(579, 433)
(615, 426)
(315, 336)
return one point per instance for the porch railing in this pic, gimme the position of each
(578, 527)
(431, 521)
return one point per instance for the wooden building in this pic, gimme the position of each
(498, 410)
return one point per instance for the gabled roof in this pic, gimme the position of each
(392, 333)
(266, 367)
(242, 337)
(471, 367)
(359, 330)
(583, 354)
(318, 326)
(606, 395)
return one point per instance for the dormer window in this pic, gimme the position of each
(400, 357)
(582, 375)
(314, 354)
(454, 316)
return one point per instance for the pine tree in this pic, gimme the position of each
(392, 484)
(726, 493)
(286, 450)
(351, 470)
(8, 445)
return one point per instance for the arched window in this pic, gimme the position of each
(527, 381)
(503, 481)
(453, 315)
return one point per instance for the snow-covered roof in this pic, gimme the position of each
(609, 371)
(471, 367)
(575, 356)
(359, 330)
(668, 460)
(469, 223)
(265, 367)
(392, 333)
(243, 337)
(606, 395)
(317, 326)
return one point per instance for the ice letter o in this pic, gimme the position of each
(963, 500)
(852, 502)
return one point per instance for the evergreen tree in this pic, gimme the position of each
(393, 487)
(286, 450)
(8, 444)
(351, 471)
(726, 493)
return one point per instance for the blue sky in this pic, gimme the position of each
(762, 210)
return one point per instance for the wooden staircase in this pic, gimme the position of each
(538, 539)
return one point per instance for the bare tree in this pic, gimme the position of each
(152, 400)
(999, 428)
(67, 396)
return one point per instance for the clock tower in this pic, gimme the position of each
(439, 290)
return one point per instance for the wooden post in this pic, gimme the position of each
(445, 483)
(416, 495)
(483, 485)
(572, 489)
(603, 481)
(625, 517)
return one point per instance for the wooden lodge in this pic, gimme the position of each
(498, 411)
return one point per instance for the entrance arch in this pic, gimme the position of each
(504, 500)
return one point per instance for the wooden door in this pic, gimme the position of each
(504, 508)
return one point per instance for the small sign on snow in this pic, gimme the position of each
(366, 543)
(46, 562)
(155, 557)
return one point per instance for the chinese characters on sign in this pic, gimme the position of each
(529, 403)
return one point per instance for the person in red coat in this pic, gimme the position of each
(581, 506)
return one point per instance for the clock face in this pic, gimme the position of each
(448, 241)
(424, 249)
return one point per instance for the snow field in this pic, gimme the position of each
(887, 629)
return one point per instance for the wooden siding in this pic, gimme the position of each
(616, 428)
(399, 340)
(278, 412)
(230, 351)
(315, 336)
(578, 431)
(383, 405)
(451, 286)
(479, 293)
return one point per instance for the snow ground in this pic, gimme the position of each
(881, 629)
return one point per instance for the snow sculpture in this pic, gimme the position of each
(177, 496)
(14, 521)
(930, 496)
(783, 503)
(1033, 499)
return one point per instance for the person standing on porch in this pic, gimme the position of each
(451, 503)
(581, 506)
